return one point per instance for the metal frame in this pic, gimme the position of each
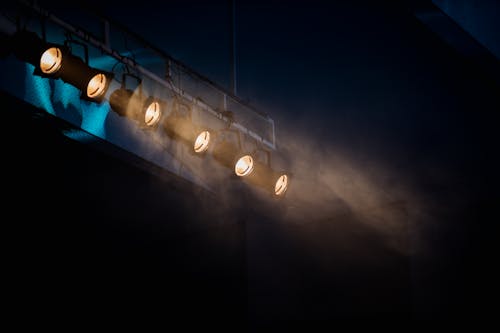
(105, 48)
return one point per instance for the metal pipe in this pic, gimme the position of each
(106, 49)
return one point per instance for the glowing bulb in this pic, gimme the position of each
(201, 142)
(152, 114)
(281, 185)
(51, 60)
(244, 166)
(96, 86)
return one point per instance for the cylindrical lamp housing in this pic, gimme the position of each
(226, 153)
(261, 176)
(272, 181)
(119, 101)
(229, 155)
(180, 127)
(132, 105)
(28, 47)
(92, 82)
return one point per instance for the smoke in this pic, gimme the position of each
(331, 182)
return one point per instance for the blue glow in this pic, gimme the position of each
(93, 118)
(102, 62)
(38, 90)
(63, 100)
(66, 94)
(47, 94)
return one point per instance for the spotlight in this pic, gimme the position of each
(178, 125)
(152, 112)
(51, 59)
(244, 166)
(230, 154)
(93, 83)
(56, 61)
(272, 181)
(202, 141)
(97, 85)
(281, 185)
(28, 47)
(127, 103)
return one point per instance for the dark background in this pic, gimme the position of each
(363, 80)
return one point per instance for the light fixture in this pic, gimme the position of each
(179, 125)
(281, 185)
(51, 60)
(243, 166)
(56, 61)
(28, 47)
(201, 142)
(96, 86)
(132, 104)
(230, 154)
(272, 181)
(152, 112)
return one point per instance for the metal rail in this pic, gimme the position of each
(105, 48)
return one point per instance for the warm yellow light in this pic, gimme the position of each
(201, 142)
(96, 86)
(244, 166)
(152, 114)
(281, 185)
(51, 60)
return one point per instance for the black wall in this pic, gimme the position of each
(87, 233)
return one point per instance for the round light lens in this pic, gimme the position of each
(281, 185)
(51, 60)
(96, 86)
(201, 142)
(244, 166)
(152, 114)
